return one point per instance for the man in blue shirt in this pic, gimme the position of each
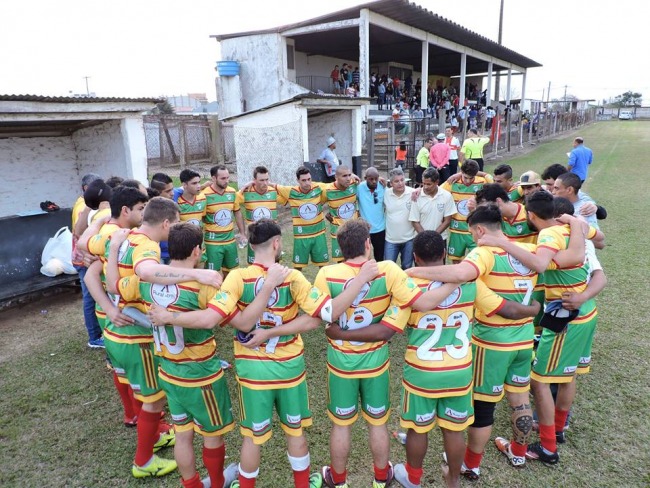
(370, 196)
(580, 159)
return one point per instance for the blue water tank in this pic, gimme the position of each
(228, 68)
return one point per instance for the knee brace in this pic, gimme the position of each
(483, 413)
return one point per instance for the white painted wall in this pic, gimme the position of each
(336, 124)
(100, 149)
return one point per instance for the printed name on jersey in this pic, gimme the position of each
(164, 295)
(453, 297)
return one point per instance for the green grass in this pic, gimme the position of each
(60, 421)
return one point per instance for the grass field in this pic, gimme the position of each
(60, 420)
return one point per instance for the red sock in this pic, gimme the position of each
(414, 474)
(137, 404)
(547, 437)
(338, 478)
(301, 478)
(517, 449)
(560, 419)
(123, 390)
(246, 482)
(472, 459)
(381, 474)
(213, 462)
(194, 482)
(147, 436)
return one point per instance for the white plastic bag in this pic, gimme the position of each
(57, 254)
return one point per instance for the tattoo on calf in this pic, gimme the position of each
(522, 426)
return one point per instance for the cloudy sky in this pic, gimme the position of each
(150, 48)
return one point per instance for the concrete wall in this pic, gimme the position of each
(271, 138)
(336, 124)
(263, 75)
(319, 65)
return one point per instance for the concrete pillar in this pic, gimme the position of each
(364, 53)
(463, 69)
(425, 74)
(509, 84)
(521, 109)
(135, 147)
(488, 93)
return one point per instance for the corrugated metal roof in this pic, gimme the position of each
(415, 16)
(45, 98)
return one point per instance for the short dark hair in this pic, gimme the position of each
(183, 239)
(429, 246)
(162, 178)
(352, 237)
(126, 196)
(131, 183)
(474, 131)
(562, 206)
(114, 181)
(470, 168)
(571, 180)
(261, 231)
(553, 171)
(490, 193)
(187, 175)
(302, 170)
(432, 174)
(258, 170)
(158, 185)
(152, 192)
(503, 169)
(97, 192)
(160, 209)
(215, 169)
(488, 215)
(541, 204)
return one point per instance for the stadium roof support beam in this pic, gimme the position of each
(425, 73)
(327, 26)
(488, 93)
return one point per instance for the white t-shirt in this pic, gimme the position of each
(430, 212)
(332, 161)
(398, 226)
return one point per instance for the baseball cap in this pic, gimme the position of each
(330, 141)
(556, 317)
(530, 178)
(441, 137)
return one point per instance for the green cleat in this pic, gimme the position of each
(315, 480)
(166, 439)
(156, 467)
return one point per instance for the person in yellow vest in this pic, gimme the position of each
(472, 148)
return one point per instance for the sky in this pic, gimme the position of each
(149, 48)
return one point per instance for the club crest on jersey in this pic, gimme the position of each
(223, 217)
(228, 197)
(346, 211)
(463, 208)
(453, 297)
(308, 211)
(519, 228)
(261, 213)
(164, 295)
(517, 266)
(440, 207)
(362, 294)
(275, 295)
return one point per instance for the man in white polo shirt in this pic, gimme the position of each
(399, 231)
(434, 207)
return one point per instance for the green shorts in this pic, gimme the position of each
(343, 398)
(137, 364)
(256, 411)
(498, 371)
(203, 409)
(561, 356)
(222, 256)
(337, 255)
(422, 413)
(316, 247)
(459, 244)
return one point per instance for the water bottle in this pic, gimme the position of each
(400, 437)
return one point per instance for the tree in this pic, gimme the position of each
(165, 108)
(628, 99)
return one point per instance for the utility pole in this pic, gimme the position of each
(87, 89)
(565, 87)
(497, 85)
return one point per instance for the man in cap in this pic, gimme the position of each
(530, 182)
(329, 159)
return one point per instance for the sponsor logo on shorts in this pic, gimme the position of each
(179, 418)
(376, 410)
(570, 369)
(259, 427)
(585, 360)
(522, 380)
(497, 389)
(425, 417)
(136, 388)
(345, 411)
(455, 414)
(294, 419)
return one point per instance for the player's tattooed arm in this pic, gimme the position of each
(166, 275)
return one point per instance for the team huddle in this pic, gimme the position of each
(515, 312)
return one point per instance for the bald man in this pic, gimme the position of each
(371, 206)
